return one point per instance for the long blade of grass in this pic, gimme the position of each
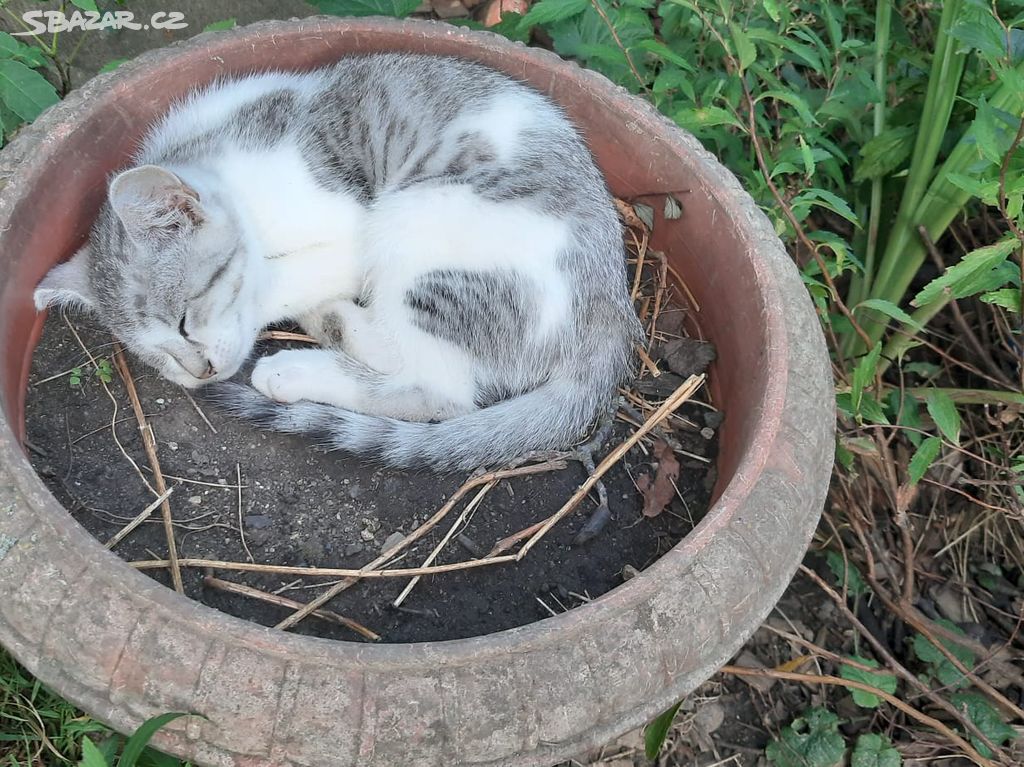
(900, 259)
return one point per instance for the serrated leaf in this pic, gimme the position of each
(923, 458)
(848, 576)
(551, 11)
(828, 200)
(705, 117)
(874, 750)
(673, 209)
(1008, 298)
(773, 10)
(91, 755)
(943, 411)
(882, 680)
(889, 309)
(807, 156)
(812, 740)
(940, 666)
(986, 718)
(794, 100)
(746, 52)
(961, 279)
(397, 8)
(24, 91)
(656, 732)
(885, 152)
(863, 375)
(666, 54)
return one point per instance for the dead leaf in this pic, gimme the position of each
(659, 493)
(686, 356)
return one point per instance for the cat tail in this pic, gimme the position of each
(555, 415)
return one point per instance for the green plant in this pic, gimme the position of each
(24, 93)
(812, 740)
(134, 751)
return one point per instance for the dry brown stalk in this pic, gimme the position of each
(274, 599)
(142, 517)
(910, 711)
(469, 509)
(675, 400)
(149, 444)
(327, 572)
(418, 533)
(648, 363)
(894, 665)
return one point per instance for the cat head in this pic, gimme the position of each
(168, 274)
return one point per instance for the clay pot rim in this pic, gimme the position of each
(62, 119)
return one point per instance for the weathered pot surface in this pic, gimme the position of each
(125, 648)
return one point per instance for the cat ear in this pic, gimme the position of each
(66, 284)
(153, 202)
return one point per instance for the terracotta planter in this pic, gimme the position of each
(125, 648)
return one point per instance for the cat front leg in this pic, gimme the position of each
(334, 378)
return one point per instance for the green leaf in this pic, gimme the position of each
(86, 5)
(550, 11)
(851, 576)
(705, 117)
(398, 8)
(986, 718)
(962, 279)
(746, 52)
(889, 309)
(812, 740)
(135, 745)
(864, 375)
(884, 153)
(656, 732)
(943, 411)
(1008, 298)
(24, 91)
(110, 66)
(666, 54)
(883, 681)
(923, 457)
(9, 47)
(794, 100)
(947, 674)
(91, 756)
(828, 200)
(773, 10)
(874, 751)
(220, 25)
(807, 155)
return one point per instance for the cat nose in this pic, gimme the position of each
(209, 372)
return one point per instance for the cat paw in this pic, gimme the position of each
(291, 375)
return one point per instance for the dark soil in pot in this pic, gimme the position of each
(300, 507)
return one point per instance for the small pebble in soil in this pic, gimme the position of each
(352, 549)
(391, 541)
(195, 500)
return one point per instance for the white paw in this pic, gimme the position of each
(291, 375)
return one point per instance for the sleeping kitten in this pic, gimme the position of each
(441, 229)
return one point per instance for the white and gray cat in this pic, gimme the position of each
(440, 228)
